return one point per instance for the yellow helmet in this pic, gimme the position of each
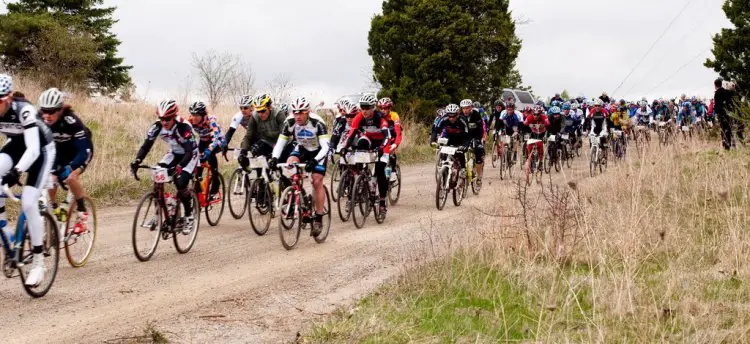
(261, 102)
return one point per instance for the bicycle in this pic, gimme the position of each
(596, 155)
(239, 183)
(364, 189)
(471, 173)
(507, 155)
(642, 137)
(449, 176)
(536, 164)
(261, 195)
(394, 181)
(17, 254)
(618, 147)
(553, 155)
(209, 203)
(164, 222)
(567, 149)
(78, 237)
(297, 207)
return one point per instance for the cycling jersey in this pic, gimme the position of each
(374, 128)
(477, 127)
(619, 120)
(237, 120)
(310, 137)
(510, 121)
(599, 123)
(687, 115)
(179, 139)
(209, 133)
(643, 117)
(538, 126)
(456, 132)
(555, 124)
(394, 126)
(268, 130)
(25, 131)
(73, 141)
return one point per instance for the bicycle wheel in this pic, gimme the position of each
(441, 192)
(530, 168)
(215, 208)
(291, 209)
(321, 238)
(548, 161)
(476, 184)
(51, 252)
(237, 194)
(493, 154)
(335, 180)
(568, 156)
(185, 239)
(558, 160)
(593, 161)
(260, 206)
(394, 186)
(509, 162)
(458, 191)
(345, 196)
(503, 163)
(288, 211)
(361, 197)
(539, 172)
(80, 237)
(147, 227)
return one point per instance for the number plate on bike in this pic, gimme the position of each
(443, 141)
(661, 124)
(364, 157)
(564, 136)
(551, 138)
(448, 150)
(618, 133)
(160, 175)
(259, 162)
(685, 128)
(506, 139)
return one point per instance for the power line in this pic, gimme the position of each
(678, 70)
(653, 45)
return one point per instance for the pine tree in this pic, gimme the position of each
(732, 46)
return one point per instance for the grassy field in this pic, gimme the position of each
(119, 130)
(652, 251)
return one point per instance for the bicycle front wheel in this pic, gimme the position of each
(184, 239)
(51, 252)
(335, 180)
(291, 210)
(237, 194)
(361, 199)
(215, 207)
(345, 196)
(146, 227)
(260, 202)
(394, 185)
(321, 238)
(79, 235)
(441, 192)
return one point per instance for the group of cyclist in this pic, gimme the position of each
(462, 124)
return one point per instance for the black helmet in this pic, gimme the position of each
(197, 108)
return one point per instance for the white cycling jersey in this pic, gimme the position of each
(238, 119)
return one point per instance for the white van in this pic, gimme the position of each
(520, 97)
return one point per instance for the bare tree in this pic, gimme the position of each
(370, 83)
(186, 88)
(216, 72)
(280, 88)
(244, 80)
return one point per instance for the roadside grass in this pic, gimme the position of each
(654, 250)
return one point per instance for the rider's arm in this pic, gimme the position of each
(249, 138)
(216, 136)
(187, 141)
(353, 130)
(81, 141)
(324, 140)
(236, 119)
(30, 136)
(384, 129)
(286, 133)
(151, 136)
(339, 124)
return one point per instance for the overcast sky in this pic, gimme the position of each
(585, 46)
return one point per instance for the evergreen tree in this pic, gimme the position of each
(732, 46)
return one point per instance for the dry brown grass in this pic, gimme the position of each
(652, 251)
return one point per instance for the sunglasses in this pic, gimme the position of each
(365, 108)
(262, 111)
(166, 120)
(49, 111)
(245, 108)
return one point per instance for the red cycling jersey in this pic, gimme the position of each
(374, 128)
(538, 126)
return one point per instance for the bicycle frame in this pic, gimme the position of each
(203, 195)
(13, 250)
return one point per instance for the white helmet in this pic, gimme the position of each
(6, 84)
(451, 109)
(368, 100)
(51, 99)
(300, 104)
(351, 108)
(343, 104)
(167, 108)
(466, 103)
(598, 102)
(574, 106)
(245, 101)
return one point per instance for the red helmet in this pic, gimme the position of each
(527, 108)
(385, 103)
(167, 109)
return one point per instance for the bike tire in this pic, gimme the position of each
(344, 204)
(503, 163)
(568, 156)
(335, 180)
(237, 205)
(155, 228)
(212, 215)
(260, 215)
(361, 204)
(51, 246)
(395, 185)
(441, 192)
(291, 202)
(83, 240)
(458, 191)
(547, 162)
(509, 163)
(493, 154)
(184, 247)
(321, 238)
(558, 160)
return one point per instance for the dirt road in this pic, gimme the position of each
(233, 287)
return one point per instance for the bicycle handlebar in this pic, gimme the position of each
(144, 167)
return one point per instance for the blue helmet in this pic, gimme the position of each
(554, 110)
(556, 103)
(566, 106)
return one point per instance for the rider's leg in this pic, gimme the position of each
(479, 156)
(318, 181)
(76, 187)
(6, 163)
(382, 180)
(213, 162)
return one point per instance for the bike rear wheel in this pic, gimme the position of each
(51, 252)
(441, 192)
(260, 206)
(147, 224)
(394, 186)
(79, 242)
(214, 209)
(184, 239)
(238, 194)
(361, 202)
(291, 209)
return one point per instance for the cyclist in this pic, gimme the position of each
(699, 107)
(537, 123)
(439, 117)
(510, 120)
(74, 150)
(456, 130)
(619, 119)
(394, 126)
(182, 157)
(239, 119)
(572, 123)
(211, 140)
(341, 128)
(495, 118)
(374, 134)
(263, 129)
(29, 148)
(311, 142)
(686, 114)
(598, 122)
(485, 117)
(477, 133)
